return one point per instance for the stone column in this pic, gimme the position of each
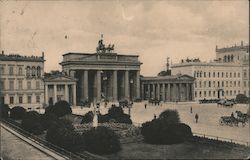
(55, 94)
(149, 92)
(126, 87)
(66, 93)
(187, 92)
(82, 87)
(85, 85)
(163, 92)
(174, 92)
(98, 86)
(137, 84)
(158, 91)
(153, 95)
(142, 91)
(74, 94)
(192, 91)
(169, 92)
(115, 85)
(46, 95)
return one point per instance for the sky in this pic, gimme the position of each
(152, 29)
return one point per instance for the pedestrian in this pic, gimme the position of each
(191, 110)
(196, 118)
(145, 105)
(154, 116)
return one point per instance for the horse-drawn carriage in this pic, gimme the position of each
(234, 121)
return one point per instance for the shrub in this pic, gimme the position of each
(170, 116)
(103, 118)
(62, 133)
(241, 98)
(17, 113)
(160, 132)
(88, 117)
(4, 110)
(101, 140)
(32, 123)
(60, 109)
(117, 114)
(47, 119)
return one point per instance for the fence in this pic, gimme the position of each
(66, 154)
(222, 139)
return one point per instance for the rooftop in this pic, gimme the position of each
(17, 57)
(234, 48)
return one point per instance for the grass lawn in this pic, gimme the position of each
(186, 150)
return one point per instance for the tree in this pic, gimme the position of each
(88, 117)
(170, 116)
(241, 98)
(102, 140)
(60, 109)
(17, 113)
(32, 123)
(4, 110)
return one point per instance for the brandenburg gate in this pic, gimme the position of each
(104, 74)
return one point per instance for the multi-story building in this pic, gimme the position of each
(21, 80)
(225, 77)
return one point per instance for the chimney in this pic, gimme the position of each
(167, 63)
(2, 52)
(43, 55)
(241, 43)
(216, 48)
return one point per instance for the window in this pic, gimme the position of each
(234, 74)
(200, 93)
(200, 84)
(37, 99)
(238, 83)
(204, 74)
(218, 75)
(214, 93)
(222, 74)
(234, 83)
(194, 73)
(2, 85)
(222, 93)
(226, 83)
(1, 70)
(218, 84)
(226, 93)
(209, 74)
(234, 92)
(11, 85)
(231, 92)
(205, 84)
(37, 85)
(11, 100)
(195, 84)
(20, 99)
(33, 71)
(238, 74)
(11, 70)
(195, 94)
(245, 74)
(20, 71)
(28, 71)
(28, 84)
(38, 71)
(20, 84)
(213, 74)
(209, 83)
(197, 74)
(29, 99)
(245, 83)
(200, 74)
(231, 83)
(205, 93)
(209, 93)
(226, 74)
(213, 83)
(230, 75)
(222, 83)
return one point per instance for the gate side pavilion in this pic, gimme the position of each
(168, 88)
(107, 76)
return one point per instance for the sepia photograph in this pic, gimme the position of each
(124, 79)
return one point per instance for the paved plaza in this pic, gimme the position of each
(208, 123)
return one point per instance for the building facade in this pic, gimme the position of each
(168, 88)
(58, 87)
(21, 80)
(104, 74)
(225, 77)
